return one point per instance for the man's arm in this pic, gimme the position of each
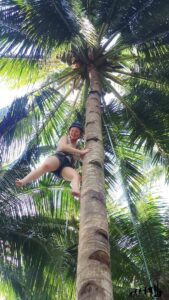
(65, 147)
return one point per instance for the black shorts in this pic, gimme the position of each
(64, 162)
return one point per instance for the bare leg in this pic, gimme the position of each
(51, 163)
(72, 175)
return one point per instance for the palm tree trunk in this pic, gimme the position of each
(93, 271)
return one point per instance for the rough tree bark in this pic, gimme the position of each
(93, 271)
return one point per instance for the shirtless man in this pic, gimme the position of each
(61, 164)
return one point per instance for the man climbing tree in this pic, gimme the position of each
(61, 164)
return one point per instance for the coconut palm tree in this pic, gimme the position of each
(92, 49)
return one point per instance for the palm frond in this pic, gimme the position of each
(155, 134)
(123, 231)
(40, 240)
(56, 19)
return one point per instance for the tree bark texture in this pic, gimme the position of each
(93, 271)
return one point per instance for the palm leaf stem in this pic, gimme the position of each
(105, 25)
(106, 43)
(78, 93)
(73, 106)
(62, 17)
(135, 75)
(111, 54)
(134, 222)
(54, 81)
(75, 100)
(102, 31)
(84, 96)
(113, 78)
(109, 137)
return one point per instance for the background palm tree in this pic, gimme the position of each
(52, 45)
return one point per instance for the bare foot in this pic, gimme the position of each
(76, 194)
(19, 183)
